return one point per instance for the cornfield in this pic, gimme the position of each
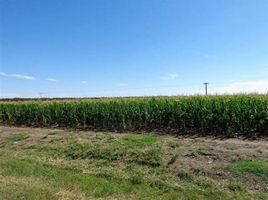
(227, 116)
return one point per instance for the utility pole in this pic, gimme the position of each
(206, 88)
(40, 94)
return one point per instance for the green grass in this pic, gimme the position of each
(173, 159)
(75, 180)
(67, 178)
(115, 166)
(257, 170)
(140, 140)
(25, 188)
(143, 150)
(236, 187)
(14, 138)
(98, 186)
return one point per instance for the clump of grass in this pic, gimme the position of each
(202, 151)
(77, 150)
(143, 150)
(150, 156)
(136, 176)
(173, 159)
(14, 188)
(136, 179)
(173, 144)
(236, 187)
(14, 138)
(184, 175)
(257, 170)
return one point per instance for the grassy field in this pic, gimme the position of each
(59, 164)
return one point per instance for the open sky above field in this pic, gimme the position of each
(139, 47)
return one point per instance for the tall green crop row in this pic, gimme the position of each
(222, 115)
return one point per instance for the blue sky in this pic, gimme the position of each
(137, 47)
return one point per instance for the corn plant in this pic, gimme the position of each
(213, 115)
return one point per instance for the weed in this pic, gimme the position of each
(173, 159)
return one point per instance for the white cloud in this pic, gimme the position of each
(259, 86)
(83, 82)
(169, 76)
(52, 79)
(19, 76)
